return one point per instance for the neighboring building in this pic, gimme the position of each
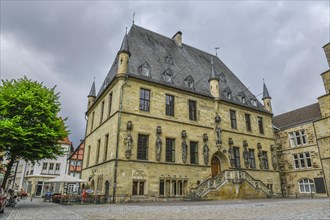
(33, 178)
(75, 162)
(303, 145)
(171, 119)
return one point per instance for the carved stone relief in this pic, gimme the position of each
(206, 149)
(246, 154)
(158, 142)
(128, 140)
(184, 146)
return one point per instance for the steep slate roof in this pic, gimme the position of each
(163, 55)
(299, 116)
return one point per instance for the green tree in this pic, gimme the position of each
(30, 128)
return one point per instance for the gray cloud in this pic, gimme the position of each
(67, 43)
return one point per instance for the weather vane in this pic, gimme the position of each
(216, 50)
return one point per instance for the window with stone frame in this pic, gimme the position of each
(265, 160)
(138, 187)
(106, 143)
(306, 186)
(145, 100)
(110, 104)
(172, 187)
(252, 159)
(102, 112)
(142, 148)
(193, 152)
(98, 151)
(92, 121)
(169, 109)
(170, 150)
(57, 168)
(302, 160)
(261, 125)
(297, 138)
(192, 110)
(233, 121)
(237, 162)
(248, 122)
(88, 155)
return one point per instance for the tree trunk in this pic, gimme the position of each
(9, 166)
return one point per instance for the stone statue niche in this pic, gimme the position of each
(218, 131)
(128, 139)
(246, 154)
(231, 152)
(158, 143)
(184, 146)
(206, 149)
(274, 156)
(260, 156)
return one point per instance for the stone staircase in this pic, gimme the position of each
(234, 176)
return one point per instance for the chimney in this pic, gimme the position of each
(178, 38)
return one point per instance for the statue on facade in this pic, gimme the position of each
(246, 154)
(274, 157)
(260, 156)
(128, 140)
(184, 146)
(158, 143)
(206, 149)
(231, 152)
(206, 154)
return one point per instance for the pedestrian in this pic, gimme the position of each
(31, 197)
(83, 196)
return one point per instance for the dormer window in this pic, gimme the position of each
(243, 100)
(169, 60)
(189, 82)
(167, 76)
(227, 93)
(144, 69)
(229, 96)
(254, 102)
(222, 77)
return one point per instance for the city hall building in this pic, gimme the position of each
(171, 121)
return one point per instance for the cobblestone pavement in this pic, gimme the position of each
(233, 209)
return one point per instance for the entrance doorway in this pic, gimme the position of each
(215, 166)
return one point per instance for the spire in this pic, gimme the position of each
(124, 46)
(265, 93)
(92, 93)
(213, 74)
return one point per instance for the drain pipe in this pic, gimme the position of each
(117, 141)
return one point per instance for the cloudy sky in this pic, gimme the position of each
(68, 43)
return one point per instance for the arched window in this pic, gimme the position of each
(306, 186)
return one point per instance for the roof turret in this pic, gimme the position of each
(92, 93)
(124, 45)
(213, 74)
(265, 93)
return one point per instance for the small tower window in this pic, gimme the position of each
(189, 82)
(144, 69)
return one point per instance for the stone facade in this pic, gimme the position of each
(303, 145)
(201, 147)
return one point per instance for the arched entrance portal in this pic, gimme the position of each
(215, 166)
(219, 163)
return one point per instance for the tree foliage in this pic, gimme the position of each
(30, 127)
